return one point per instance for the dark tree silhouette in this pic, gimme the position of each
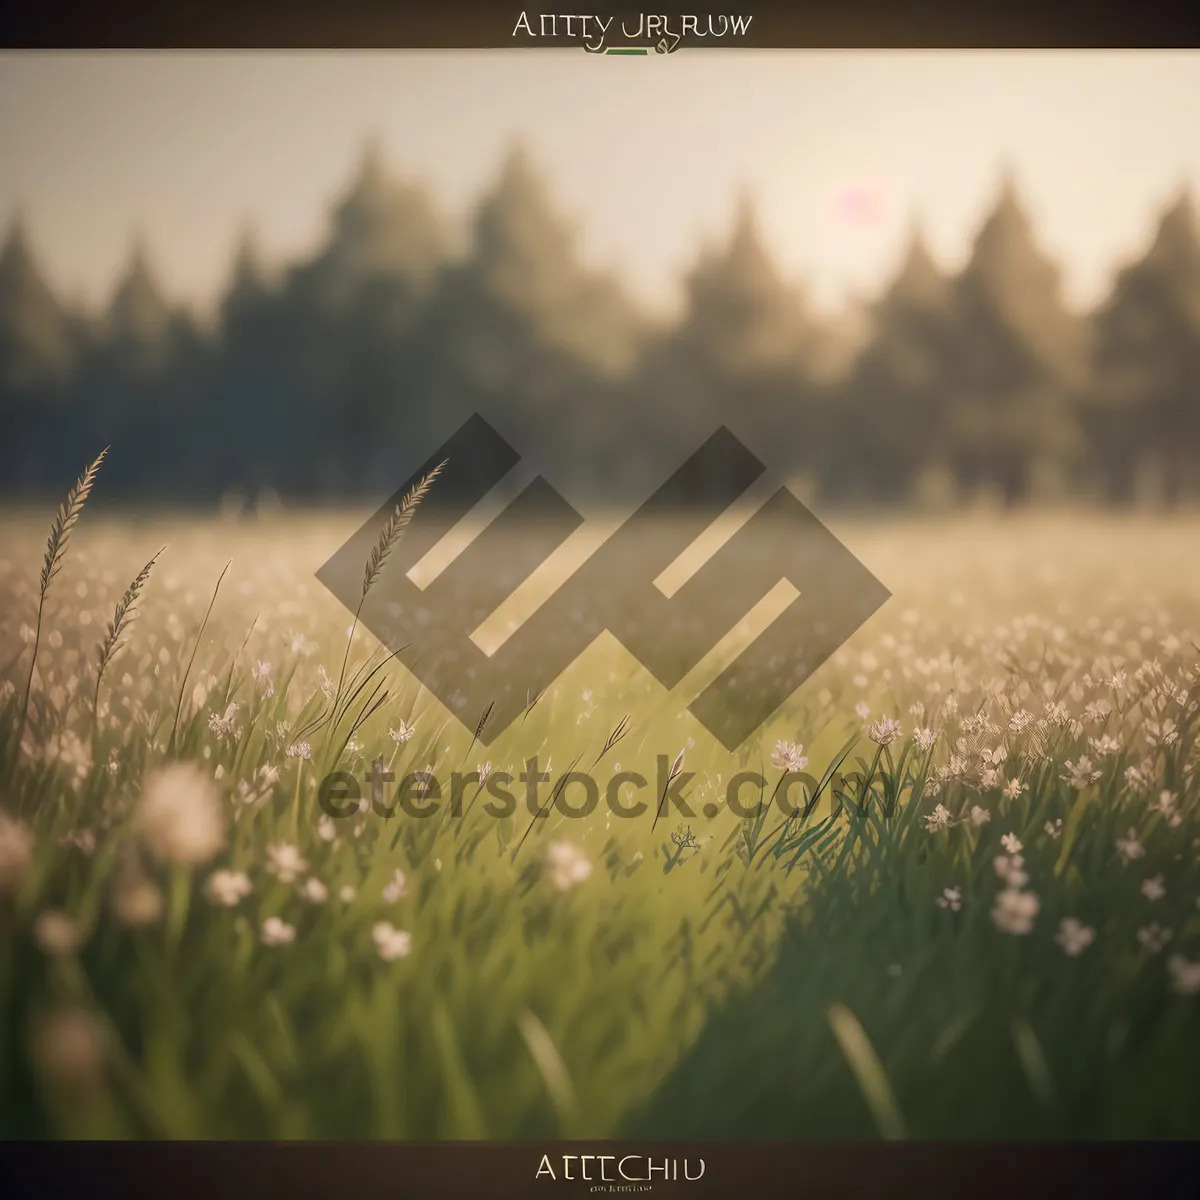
(524, 331)
(745, 353)
(1018, 359)
(320, 367)
(330, 376)
(1146, 395)
(39, 343)
(141, 387)
(892, 424)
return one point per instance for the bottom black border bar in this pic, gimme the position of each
(445, 1170)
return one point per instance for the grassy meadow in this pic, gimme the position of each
(994, 932)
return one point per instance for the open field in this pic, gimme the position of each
(993, 932)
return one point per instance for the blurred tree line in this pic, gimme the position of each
(318, 381)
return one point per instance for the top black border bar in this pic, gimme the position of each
(473, 24)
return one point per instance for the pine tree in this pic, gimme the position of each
(39, 348)
(525, 330)
(741, 314)
(525, 275)
(142, 386)
(1147, 361)
(743, 354)
(382, 227)
(334, 351)
(249, 284)
(1019, 358)
(891, 419)
(137, 327)
(36, 346)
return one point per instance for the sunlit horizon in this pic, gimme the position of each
(842, 153)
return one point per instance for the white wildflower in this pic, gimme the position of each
(1185, 975)
(1166, 806)
(224, 725)
(390, 942)
(1154, 888)
(180, 815)
(228, 888)
(1015, 911)
(396, 887)
(314, 891)
(940, 818)
(1081, 774)
(1011, 870)
(137, 900)
(884, 731)
(1020, 720)
(1129, 848)
(261, 674)
(1161, 734)
(567, 866)
(789, 756)
(1154, 937)
(1105, 747)
(285, 862)
(1139, 775)
(1074, 936)
(299, 644)
(56, 933)
(277, 932)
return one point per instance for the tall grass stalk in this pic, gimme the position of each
(56, 549)
(195, 647)
(389, 537)
(123, 617)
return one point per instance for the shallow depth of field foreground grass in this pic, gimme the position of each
(999, 936)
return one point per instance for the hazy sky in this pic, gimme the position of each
(648, 154)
